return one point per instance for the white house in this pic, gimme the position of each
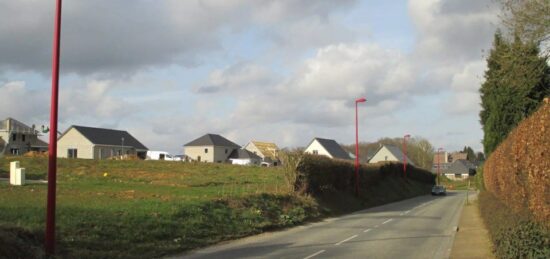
(326, 147)
(267, 151)
(389, 153)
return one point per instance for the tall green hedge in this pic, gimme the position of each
(317, 174)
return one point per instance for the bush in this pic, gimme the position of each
(317, 174)
(517, 171)
(514, 235)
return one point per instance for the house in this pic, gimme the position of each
(242, 156)
(327, 147)
(460, 170)
(441, 160)
(389, 153)
(268, 152)
(16, 138)
(458, 156)
(210, 148)
(98, 143)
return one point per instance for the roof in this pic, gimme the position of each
(267, 148)
(396, 152)
(107, 136)
(333, 148)
(459, 155)
(243, 154)
(460, 166)
(16, 126)
(211, 140)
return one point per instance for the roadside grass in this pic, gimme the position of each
(150, 209)
(460, 185)
(131, 209)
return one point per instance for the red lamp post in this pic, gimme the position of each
(49, 244)
(439, 150)
(405, 138)
(360, 100)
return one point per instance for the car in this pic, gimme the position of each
(439, 190)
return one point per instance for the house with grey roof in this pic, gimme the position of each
(16, 138)
(242, 156)
(98, 143)
(460, 170)
(211, 148)
(389, 153)
(327, 147)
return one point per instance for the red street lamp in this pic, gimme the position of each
(405, 138)
(360, 100)
(49, 244)
(439, 150)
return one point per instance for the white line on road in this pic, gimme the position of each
(318, 253)
(367, 230)
(402, 213)
(407, 212)
(376, 226)
(347, 239)
(387, 221)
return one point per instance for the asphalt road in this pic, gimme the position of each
(422, 227)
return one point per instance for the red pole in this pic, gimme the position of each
(405, 155)
(356, 152)
(438, 164)
(52, 151)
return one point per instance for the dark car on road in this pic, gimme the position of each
(439, 190)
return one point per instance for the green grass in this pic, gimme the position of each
(149, 208)
(460, 185)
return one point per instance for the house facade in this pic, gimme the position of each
(98, 143)
(268, 152)
(16, 138)
(389, 153)
(327, 147)
(210, 148)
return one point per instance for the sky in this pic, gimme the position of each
(285, 71)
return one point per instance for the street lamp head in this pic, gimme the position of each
(360, 100)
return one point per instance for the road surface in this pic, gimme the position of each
(422, 227)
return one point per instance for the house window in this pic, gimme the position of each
(458, 175)
(386, 158)
(14, 137)
(23, 137)
(206, 150)
(14, 151)
(226, 150)
(315, 152)
(72, 153)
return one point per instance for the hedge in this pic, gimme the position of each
(317, 174)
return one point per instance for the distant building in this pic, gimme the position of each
(459, 170)
(458, 156)
(327, 147)
(389, 153)
(210, 148)
(98, 143)
(16, 138)
(268, 152)
(244, 157)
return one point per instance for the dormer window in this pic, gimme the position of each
(206, 150)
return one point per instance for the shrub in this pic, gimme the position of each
(517, 171)
(514, 235)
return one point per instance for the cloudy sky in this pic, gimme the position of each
(286, 71)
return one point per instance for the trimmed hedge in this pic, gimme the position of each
(317, 174)
(514, 235)
(518, 171)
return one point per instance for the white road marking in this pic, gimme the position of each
(376, 226)
(367, 230)
(402, 213)
(347, 239)
(387, 221)
(407, 212)
(318, 253)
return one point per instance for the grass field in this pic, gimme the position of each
(147, 208)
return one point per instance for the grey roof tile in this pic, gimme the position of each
(212, 140)
(109, 136)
